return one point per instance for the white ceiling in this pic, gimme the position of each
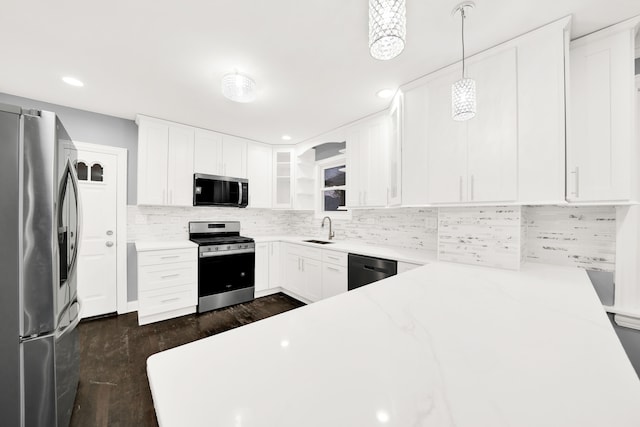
(309, 58)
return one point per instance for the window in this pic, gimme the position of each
(82, 170)
(93, 174)
(96, 172)
(333, 188)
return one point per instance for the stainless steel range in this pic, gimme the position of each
(226, 264)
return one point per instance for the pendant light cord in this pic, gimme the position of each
(462, 15)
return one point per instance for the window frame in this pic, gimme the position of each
(321, 166)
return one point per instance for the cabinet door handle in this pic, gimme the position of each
(169, 275)
(576, 172)
(333, 268)
(302, 265)
(170, 299)
(473, 182)
(333, 257)
(299, 264)
(169, 256)
(460, 195)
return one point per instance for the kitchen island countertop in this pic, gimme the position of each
(440, 345)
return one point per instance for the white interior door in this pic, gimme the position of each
(97, 261)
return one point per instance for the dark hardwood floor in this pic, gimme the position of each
(113, 389)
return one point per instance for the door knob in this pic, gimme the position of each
(109, 233)
(109, 244)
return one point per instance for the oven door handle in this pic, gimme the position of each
(223, 253)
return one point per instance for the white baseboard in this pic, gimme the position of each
(131, 307)
(627, 321)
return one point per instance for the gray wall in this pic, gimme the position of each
(630, 339)
(94, 128)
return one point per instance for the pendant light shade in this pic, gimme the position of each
(463, 97)
(387, 28)
(238, 88)
(463, 92)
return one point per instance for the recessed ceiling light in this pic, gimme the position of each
(385, 93)
(286, 137)
(238, 87)
(72, 81)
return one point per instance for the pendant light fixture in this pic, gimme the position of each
(463, 92)
(387, 28)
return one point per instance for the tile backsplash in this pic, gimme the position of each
(487, 236)
(414, 228)
(580, 236)
(490, 236)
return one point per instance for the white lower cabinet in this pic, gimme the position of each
(334, 280)
(274, 264)
(334, 273)
(167, 283)
(313, 274)
(302, 271)
(267, 271)
(262, 267)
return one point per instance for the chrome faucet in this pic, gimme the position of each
(331, 233)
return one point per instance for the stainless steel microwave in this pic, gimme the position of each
(214, 190)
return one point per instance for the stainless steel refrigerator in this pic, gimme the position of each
(39, 235)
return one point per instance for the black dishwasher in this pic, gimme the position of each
(365, 269)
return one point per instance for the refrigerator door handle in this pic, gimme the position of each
(70, 170)
(71, 326)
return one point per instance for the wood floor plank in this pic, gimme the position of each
(114, 390)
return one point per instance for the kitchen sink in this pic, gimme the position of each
(318, 242)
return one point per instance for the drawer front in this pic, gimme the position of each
(305, 251)
(334, 280)
(168, 256)
(154, 277)
(335, 257)
(154, 302)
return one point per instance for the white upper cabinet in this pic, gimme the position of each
(446, 169)
(218, 154)
(234, 156)
(602, 146)
(414, 147)
(492, 135)
(260, 175)
(153, 152)
(208, 152)
(165, 163)
(180, 171)
(542, 68)
(395, 150)
(512, 151)
(283, 178)
(368, 162)
(476, 160)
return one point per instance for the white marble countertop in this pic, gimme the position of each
(414, 256)
(158, 245)
(441, 345)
